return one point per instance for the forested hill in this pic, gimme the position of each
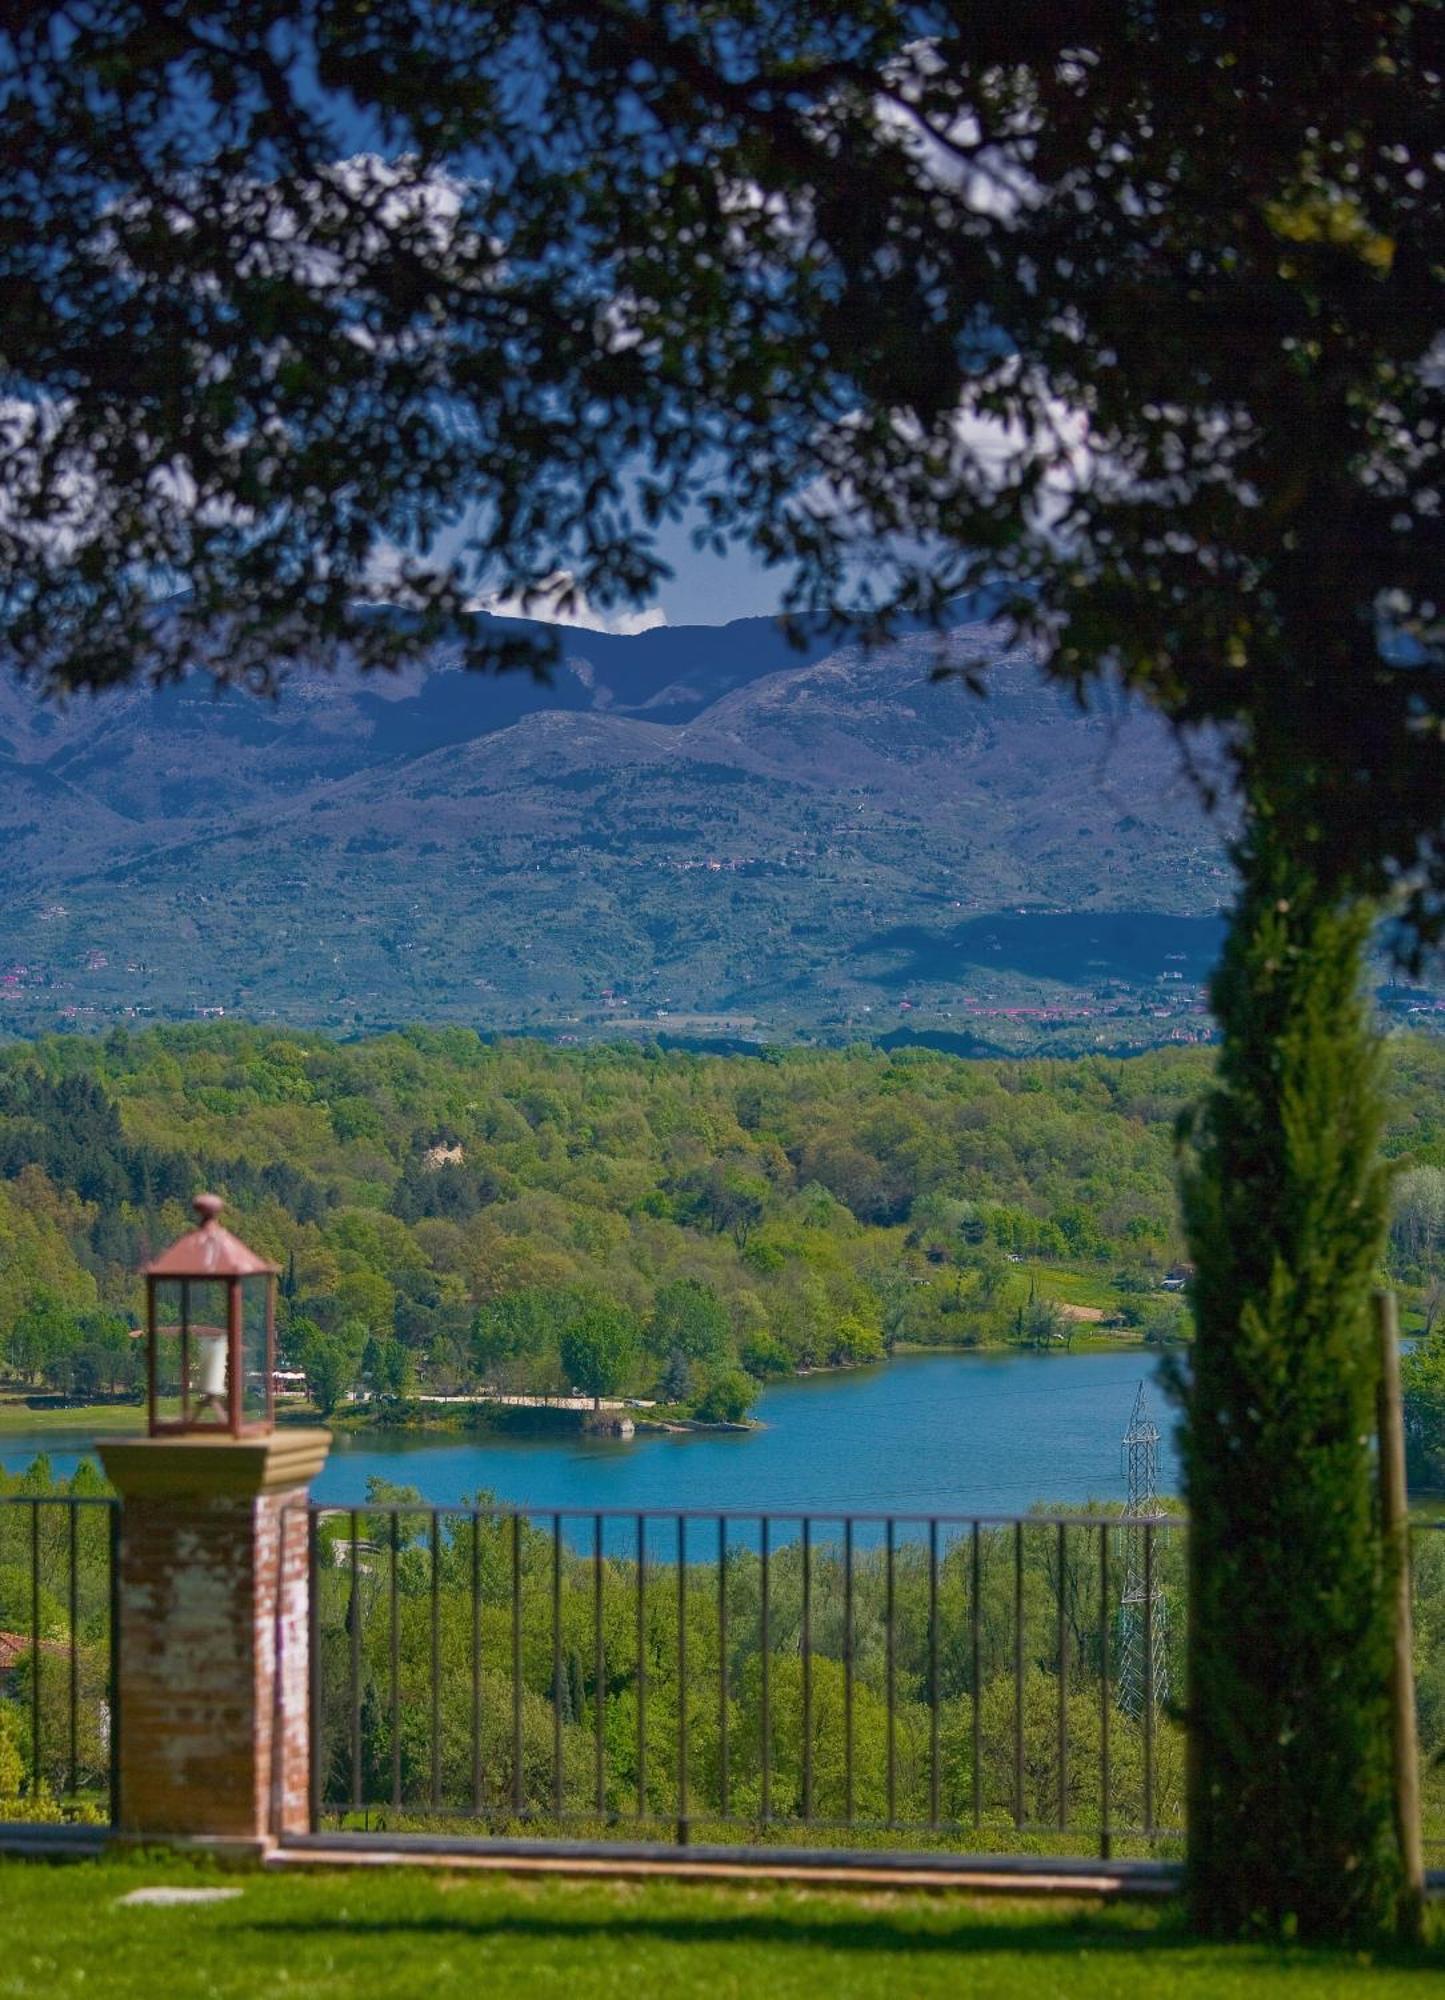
(694, 825)
(449, 1212)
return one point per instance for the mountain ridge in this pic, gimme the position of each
(689, 825)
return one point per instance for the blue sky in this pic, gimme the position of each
(712, 590)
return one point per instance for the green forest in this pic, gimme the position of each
(450, 1214)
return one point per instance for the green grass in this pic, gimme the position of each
(1072, 1287)
(109, 1419)
(400, 1933)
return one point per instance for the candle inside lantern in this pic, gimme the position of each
(210, 1384)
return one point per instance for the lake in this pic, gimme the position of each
(924, 1434)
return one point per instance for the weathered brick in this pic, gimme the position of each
(213, 1672)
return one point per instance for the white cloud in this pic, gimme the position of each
(558, 600)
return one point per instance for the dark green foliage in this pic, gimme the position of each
(590, 1148)
(674, 1385)
(388, 1367)
(1423, 1380)
(332, 1361)
(68, 1126)
(600, 1347)
(689, 1318)
(727, 1398)
(1286, 1205)
(84, 1354)
(763, 1355)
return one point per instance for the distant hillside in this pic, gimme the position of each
(695, 830)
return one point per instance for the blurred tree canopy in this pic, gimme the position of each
(1133, 318)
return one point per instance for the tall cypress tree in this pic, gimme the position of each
(1290, 1825)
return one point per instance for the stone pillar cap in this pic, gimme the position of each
(200, 1466)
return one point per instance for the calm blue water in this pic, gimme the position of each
(935, 1433)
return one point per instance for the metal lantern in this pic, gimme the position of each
(210, 1332)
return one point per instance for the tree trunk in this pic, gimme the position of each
(1290, 1828)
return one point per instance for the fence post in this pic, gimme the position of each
(212, 1724)
(1395, 1528)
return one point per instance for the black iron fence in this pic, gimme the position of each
(940, 1683)
(934, 1683)
(57, 1666)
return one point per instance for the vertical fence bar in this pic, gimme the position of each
(35, 1657)
(517, 1793)
(1149, 1679)
(1018, 1673)
(476, 1661)
(765, 1636)
(722, 1663)
(353, 1620)
(848, 1670)
(313, 1660)
(933, 1768)
(599, 1679)
(807, 1647)
(641, 1666)
(113, 1668)
(393, 1594)
(1395, 1538)
(74, 1616)
(557, 1788)
(889, 1689)
(1063, 1648)
(975, 1578)
(436, 1663)
(1105, 1704)
(682, 1680)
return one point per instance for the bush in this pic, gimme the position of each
(727, 1398)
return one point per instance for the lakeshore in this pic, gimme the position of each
(38, 1415)
(980, 1432)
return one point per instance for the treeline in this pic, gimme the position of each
(449, 1213)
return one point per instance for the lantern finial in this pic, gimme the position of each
(208, 1206)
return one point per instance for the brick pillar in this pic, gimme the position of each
(213, 1596)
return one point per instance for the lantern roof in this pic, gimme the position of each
(210, 1251)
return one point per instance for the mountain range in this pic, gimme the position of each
(697, 832)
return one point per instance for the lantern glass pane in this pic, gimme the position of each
(256, 1359)
(209, 1378)
(191, 1372)
(169, 1300)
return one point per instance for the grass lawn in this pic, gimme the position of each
(82, 1420)
(400, 1933)
(1071, 1287)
